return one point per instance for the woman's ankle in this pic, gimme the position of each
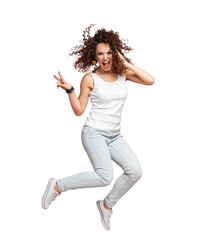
(57, 189)
(107, 207)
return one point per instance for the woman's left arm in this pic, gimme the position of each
(136, 74)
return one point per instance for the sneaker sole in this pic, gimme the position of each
(101, 214)
(45, 193)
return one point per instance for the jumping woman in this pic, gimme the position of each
(101, 136)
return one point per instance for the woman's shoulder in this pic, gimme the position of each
(87, 76)
(87, 80)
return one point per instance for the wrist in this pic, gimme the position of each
(70, 90)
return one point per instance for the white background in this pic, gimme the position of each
(168, 124)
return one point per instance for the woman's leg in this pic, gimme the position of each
(122, 154)
(96, 147)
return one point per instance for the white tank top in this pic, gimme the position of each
(107, 100)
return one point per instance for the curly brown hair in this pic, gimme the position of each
(86, 51)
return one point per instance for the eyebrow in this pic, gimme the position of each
(101, 52)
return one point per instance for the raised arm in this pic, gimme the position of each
(78, 104)
(136, 74)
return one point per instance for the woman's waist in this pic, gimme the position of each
(110, 130)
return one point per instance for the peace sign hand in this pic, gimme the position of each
(62, 83)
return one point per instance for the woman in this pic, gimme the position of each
(101, 137)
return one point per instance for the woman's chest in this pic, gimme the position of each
(109, 92)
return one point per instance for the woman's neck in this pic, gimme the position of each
(99, 71)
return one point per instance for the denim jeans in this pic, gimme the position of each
(102, 147)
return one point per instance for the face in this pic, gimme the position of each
(104, 56)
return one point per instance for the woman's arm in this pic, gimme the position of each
(136, 74)
(78, 104)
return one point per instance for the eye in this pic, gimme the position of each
(99, 54)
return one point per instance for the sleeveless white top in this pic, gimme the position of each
(107, 100)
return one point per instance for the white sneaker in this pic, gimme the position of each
(105, 214)
(50, 194)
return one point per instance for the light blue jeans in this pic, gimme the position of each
(102, 147)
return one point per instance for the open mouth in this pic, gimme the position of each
(106, 63)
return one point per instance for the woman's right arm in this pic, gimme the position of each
(78, 104)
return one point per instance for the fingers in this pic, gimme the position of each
(121, 56)
(60, 85)
(57, 78)
(62, 80)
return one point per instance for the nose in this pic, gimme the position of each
(105, 56)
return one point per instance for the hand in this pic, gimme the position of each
(124, 62)
(62, 83)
